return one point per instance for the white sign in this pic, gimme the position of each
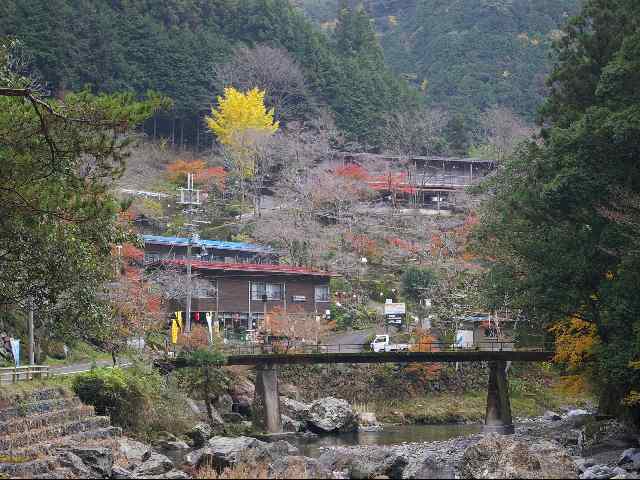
(395, 309)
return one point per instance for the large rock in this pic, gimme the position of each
(630, 459)
(364, 462)
(290, 391)
(600, 472)
(222, 452)
(497, 456)
(200, 434)
(331, 415)
(293, 409)
(156, 465)
(135, 452)
(242, 393)
(297, 467)
(98, 459)
(174, 450)
(551, 416)
(75, 465)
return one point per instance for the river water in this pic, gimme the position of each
(391, 435)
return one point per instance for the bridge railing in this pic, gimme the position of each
(294, 348)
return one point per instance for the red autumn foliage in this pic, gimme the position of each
(353, 171)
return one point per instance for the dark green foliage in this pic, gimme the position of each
(171, 46)
(137, 399)
(58, 221)
(414, 280)
(562, 222)
(123, 394)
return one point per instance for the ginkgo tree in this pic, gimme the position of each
(244, 127)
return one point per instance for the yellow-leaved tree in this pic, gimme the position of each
(243, 125)
(576, 343)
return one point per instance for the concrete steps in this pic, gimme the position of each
(11, 441)
(33, 422)
(34, 426)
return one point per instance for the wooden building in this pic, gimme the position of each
(242, 293)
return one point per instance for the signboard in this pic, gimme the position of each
(395, 309)
(394, 313)
(299, 298)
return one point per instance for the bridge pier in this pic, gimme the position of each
(498, 417)
(266, 402)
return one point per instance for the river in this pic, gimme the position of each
(391, 435)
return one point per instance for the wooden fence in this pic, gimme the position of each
(20, 374)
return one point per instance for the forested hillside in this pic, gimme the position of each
(174, 47)
(466, 55)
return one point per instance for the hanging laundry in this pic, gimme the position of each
(179, 319)
(197, 316)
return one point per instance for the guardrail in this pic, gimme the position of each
(301, 348)
(20, 374)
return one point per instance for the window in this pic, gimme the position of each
(273, 291)
(322, 293)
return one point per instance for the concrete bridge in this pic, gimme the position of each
(266, 360)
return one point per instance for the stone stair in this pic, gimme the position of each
(34, 425)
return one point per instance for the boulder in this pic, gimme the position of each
(174, 450)
(576, 412)
(332, 415)
(297, 467)
(364, 462)
(268, 452)
(76, 466)
(429, 468)
(200, 434)
(223, 452)
(599, 472)
(98, 459)
(630, 459)
(293, 409)
(135, 452)
(119, 473)
(584, 463)
(551, 416)
(242, 393)
(156, 464)
(498, 456)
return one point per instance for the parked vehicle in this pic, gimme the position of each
(382, 344)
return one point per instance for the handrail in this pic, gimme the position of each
(27, 372)
(430, 347)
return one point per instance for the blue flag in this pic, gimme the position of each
(15, 349)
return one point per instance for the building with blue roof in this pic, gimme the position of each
(175, 248)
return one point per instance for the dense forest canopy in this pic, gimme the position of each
(173, 46)
(466, 55)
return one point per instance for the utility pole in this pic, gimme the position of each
(32, 353)
(191, 198)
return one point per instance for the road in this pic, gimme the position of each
(81, 367)
(352, 341)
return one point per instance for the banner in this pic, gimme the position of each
(174, 332)
(209, 321)
(15, 349)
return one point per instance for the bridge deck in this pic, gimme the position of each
(390, 357)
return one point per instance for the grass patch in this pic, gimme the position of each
(82, 352)
(12, 391)
(470, 407)
(14, 459)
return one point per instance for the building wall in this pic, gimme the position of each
(233, 294)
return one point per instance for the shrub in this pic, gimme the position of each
(414, 280)
(127, 396)
(138, 399)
